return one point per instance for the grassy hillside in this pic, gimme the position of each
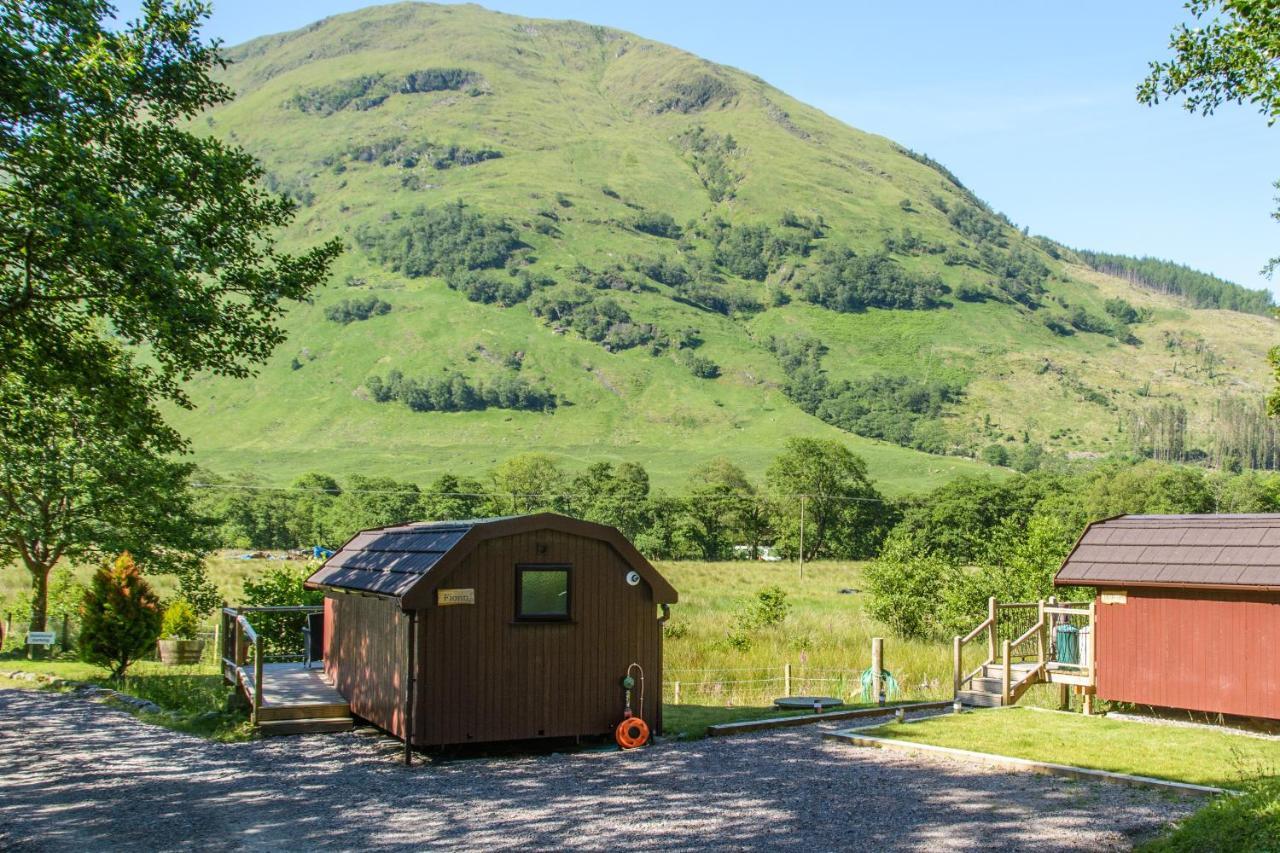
(605, 157)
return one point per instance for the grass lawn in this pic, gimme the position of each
(194, 697)
(1199, 756)
(1249, 823)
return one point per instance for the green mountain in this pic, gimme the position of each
(566, 238)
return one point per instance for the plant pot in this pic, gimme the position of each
(180, 652)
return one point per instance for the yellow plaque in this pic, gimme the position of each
(1117, 596)
(445, 597)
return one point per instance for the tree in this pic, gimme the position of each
(614, 496)
(451, 497)
(1220, 62)
(844, 515)
(372, 502)
(117, 216)
(121, 616)
(122, 232)
(86, 476)
(310, 510)
(528, 482)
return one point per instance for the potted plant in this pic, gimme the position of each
(178, 642)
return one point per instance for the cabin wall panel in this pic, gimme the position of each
(1196, 649)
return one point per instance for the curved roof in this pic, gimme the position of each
(1207, 551)
(406, 560)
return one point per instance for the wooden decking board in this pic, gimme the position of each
(288, 685)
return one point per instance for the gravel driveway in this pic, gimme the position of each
(75, 775)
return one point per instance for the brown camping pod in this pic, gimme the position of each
(494, 629)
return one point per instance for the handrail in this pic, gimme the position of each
(972, 635)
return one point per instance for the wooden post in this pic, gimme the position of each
(993, 614)
(877, 669)
(786, 679)
(1006, 673)
(1064, 697)
(257, 678)
(1040, 634)
(802, 537)
(675, 700)
(956, 674)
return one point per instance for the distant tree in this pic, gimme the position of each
(280, 586)
(308, 518)
(615, 496)
(995, 454)
(905, 589)
(528, 482)
(120, 616)
(844, 514)
(372, 502)
(451, 498)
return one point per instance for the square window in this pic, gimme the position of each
(542, 593)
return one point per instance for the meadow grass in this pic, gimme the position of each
(1201, 756)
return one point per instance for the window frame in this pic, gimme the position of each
(567, 616)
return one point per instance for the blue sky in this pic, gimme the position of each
(1030, 104)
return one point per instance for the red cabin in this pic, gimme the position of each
(1188, 610)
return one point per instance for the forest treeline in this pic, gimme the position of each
(721, 506)
(1199, 288)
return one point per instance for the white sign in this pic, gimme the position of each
(1116, 596)
(40, 638)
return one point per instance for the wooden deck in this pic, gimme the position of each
(296, 699)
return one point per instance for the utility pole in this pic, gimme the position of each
(802, 537)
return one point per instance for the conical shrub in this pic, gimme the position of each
(120, 616)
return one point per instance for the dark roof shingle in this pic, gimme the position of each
(1222, 551)
(393, 560)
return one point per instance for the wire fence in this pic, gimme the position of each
(762, 685)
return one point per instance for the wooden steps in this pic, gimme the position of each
(986, 688)
(309, 726)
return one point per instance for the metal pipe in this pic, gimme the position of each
(410, 682)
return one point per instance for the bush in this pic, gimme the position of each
(995, 454)
(352, 310)
(441, 240)
(905, 589)
(657, 224)
(281, 633)
(120, 617)
(844, 281)
(180, 621)
(768, 609)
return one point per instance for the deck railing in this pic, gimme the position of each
(239, 638)
(1024, 632)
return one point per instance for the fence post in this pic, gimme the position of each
(993, 614)
(877, 669)
(1042, 633)
(956, 674)
(786, 679)
(675, 700)
(1006, 673)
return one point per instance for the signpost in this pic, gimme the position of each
(40, 638)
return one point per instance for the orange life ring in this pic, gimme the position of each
(631, 732)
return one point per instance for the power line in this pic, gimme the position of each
(526, 495)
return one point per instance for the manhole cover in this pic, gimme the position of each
(807, 702)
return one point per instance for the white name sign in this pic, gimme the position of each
(40, 638)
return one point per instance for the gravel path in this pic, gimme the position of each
(75, 775)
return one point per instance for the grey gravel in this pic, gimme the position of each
(76, 775)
